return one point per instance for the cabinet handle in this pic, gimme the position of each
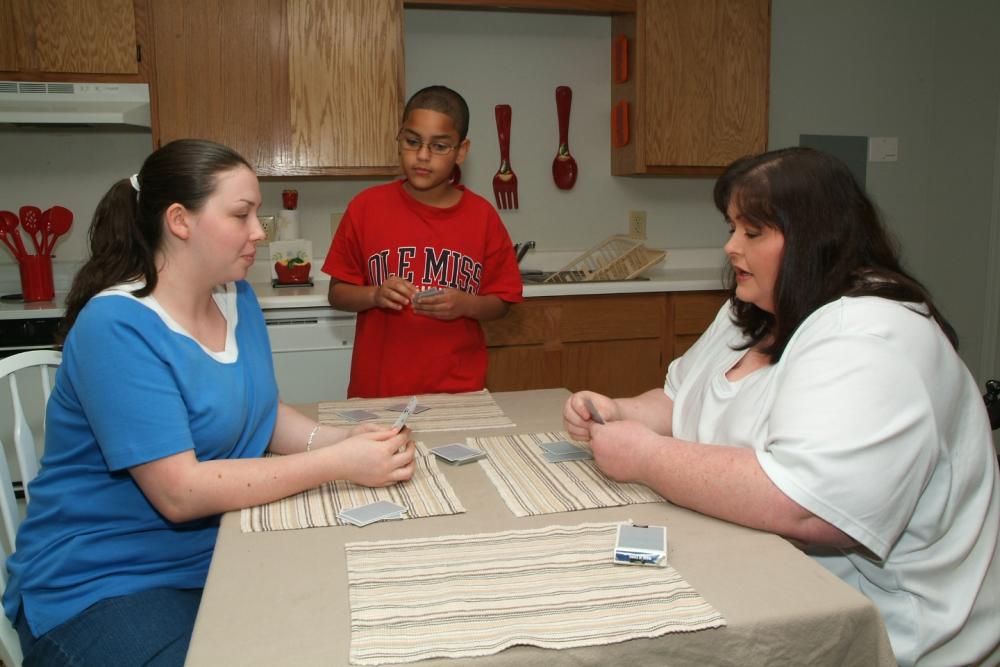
(619, 124)
(619, 59)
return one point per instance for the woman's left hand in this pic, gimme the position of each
(622, 449)
(365, 427)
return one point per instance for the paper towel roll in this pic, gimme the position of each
(288, 225)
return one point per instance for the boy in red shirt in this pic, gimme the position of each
(422, 262)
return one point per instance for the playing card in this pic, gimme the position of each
(572, 456)
(372, 512)
(357, 415)
(400, 407)
(405, 414)
(458, 453)
(427, 292)
(562, 447)
(594, 414)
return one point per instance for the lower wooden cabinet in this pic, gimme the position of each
(619, 345)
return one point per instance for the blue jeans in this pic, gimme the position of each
(145, 628)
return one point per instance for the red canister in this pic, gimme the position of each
(290, 199)
(36, 278)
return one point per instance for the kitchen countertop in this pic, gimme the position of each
(683, 270)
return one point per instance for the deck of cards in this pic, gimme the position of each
(408, 409)
(594, 414)
(378, 511)
(563, 450)
(641, 545)
(458, 454)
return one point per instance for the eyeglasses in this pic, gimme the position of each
(408, 142)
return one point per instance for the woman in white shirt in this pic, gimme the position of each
(826, 403)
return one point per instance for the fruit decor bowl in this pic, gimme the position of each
(292, 272)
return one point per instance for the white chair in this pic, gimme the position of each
(27, 460)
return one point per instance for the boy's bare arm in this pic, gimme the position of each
(394, 294)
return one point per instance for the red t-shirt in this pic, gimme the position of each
(386, 232)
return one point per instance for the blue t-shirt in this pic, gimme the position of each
(134, 387)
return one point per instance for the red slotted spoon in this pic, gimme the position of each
(31, 218)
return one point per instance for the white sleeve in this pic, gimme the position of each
(682, 365)
(852, 436)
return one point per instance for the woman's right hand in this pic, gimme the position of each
(394, 293)
(576, 416)
(377, 458)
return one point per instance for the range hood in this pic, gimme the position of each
(39, 103)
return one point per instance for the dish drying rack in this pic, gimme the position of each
(617, 257)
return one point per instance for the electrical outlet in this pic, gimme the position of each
(335, 222)
(637, 224)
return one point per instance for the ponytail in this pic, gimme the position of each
(127, 228)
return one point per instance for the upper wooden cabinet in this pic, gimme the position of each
(571, 6)
(66, 39)
(696, 94)
(299, 87)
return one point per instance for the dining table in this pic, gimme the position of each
(281, 597)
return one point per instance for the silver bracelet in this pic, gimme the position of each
(312, 436)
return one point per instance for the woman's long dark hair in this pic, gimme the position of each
(835, 243)
(127, 228)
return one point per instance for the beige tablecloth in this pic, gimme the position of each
(281, 598)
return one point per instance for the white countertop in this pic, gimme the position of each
(683, 270)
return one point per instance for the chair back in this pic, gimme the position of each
(42, 361)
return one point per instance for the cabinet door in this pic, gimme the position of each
(219, 75)
(345, 64)
(69, 36)
(698, 85)
(8, 35)
(707, 75)
(298, 87)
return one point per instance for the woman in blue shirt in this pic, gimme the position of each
(162, 407)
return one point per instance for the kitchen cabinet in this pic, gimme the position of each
(695, 89)
(298, 87)
(619, 344)
(576, 6)
(72, 40)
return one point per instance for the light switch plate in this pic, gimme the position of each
(883, 149)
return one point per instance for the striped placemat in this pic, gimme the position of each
(531, 485)
(448, 412)
(472, 595)
(427, 493)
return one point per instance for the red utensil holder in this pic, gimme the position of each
(36, 278)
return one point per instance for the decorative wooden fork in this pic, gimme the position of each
(504, 181)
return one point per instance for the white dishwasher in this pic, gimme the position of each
(311, 348)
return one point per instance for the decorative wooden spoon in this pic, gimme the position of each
(564, 167)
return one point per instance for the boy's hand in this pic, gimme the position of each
(449, 304)
(394, 293)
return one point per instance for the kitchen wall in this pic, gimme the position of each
(927, 72)
(923, 71)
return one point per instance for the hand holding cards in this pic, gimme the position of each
(641, 545)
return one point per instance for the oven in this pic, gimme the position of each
(312, 349)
